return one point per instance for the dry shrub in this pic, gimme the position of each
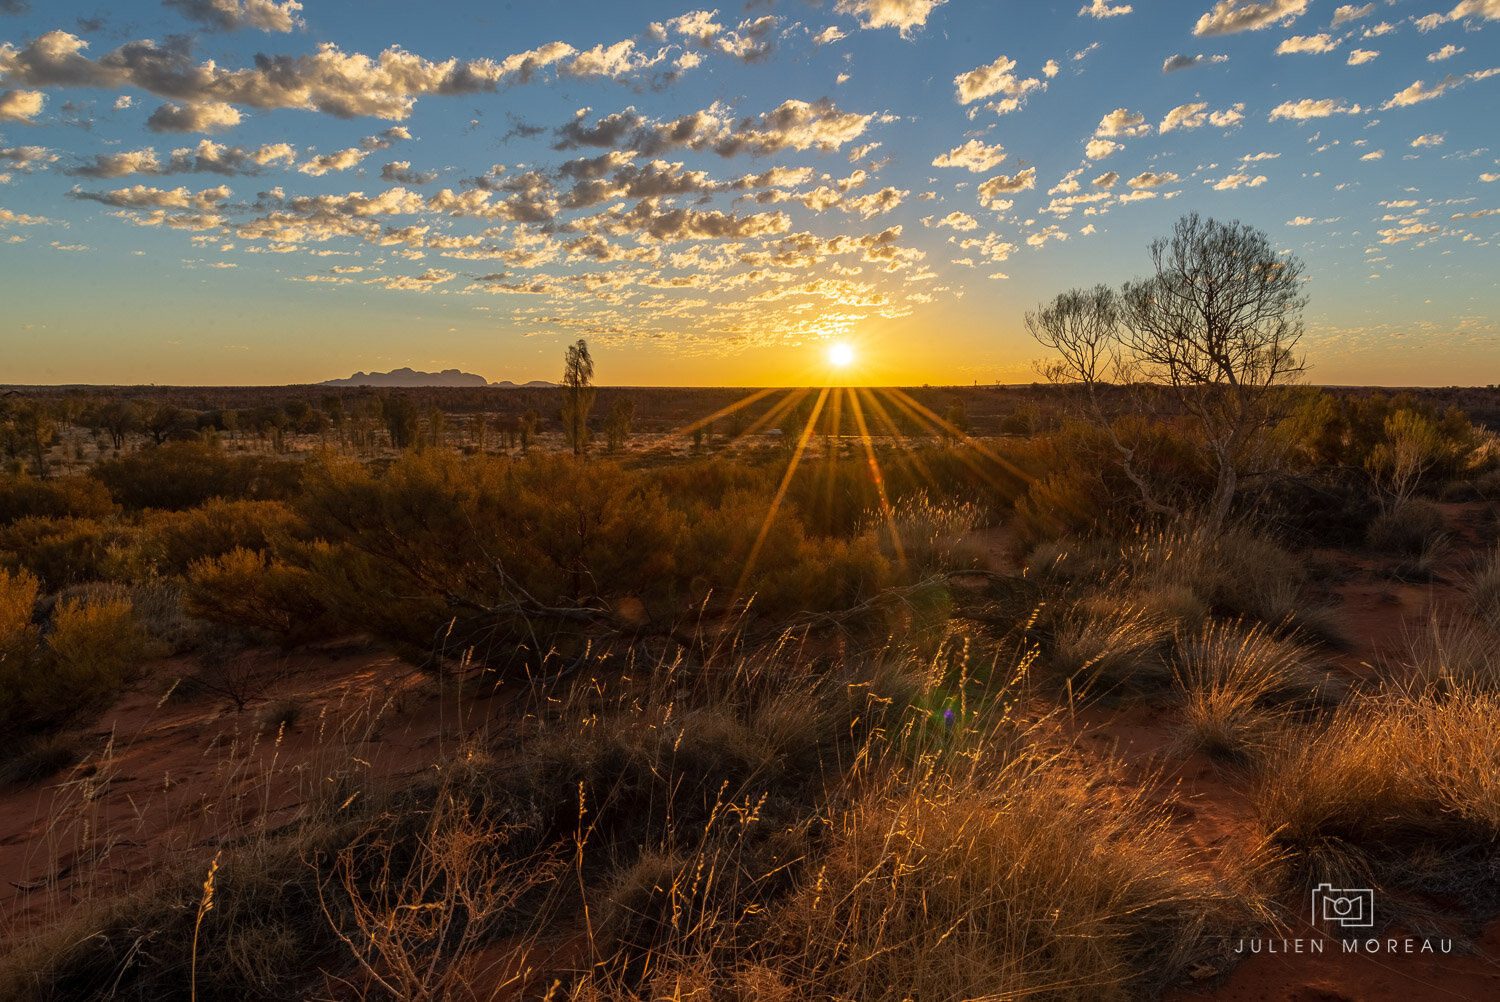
(1449, 654)
(1410, 529)
(61, 497)
(176, 539)
(253, 591)
(68, 551)
(18, 635)
(1396, 789)
(1236, 683)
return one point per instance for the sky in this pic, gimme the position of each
(269, 192)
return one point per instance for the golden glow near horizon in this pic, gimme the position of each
(841, 354)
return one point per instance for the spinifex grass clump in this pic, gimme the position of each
(1397, 789)
(1238, 684)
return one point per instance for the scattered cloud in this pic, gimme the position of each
(1358, 57)
(211, 117)
(1419, 91)
(342, 160)
(991, 190)
(903, 15)
(1313, 108)
(1429, 139)
(1123, 122)
(1374, 155)
(1349, 12)
(1098, 149)
(996, 78)
(1308, 43)
(1182, 62)
(961, 221)
(232, 15)
(1102, 9)
(1231, 16)
(1040, 238)
(1236, 180)
(973, 155)
(21, 105)
(1150, 179)
(1446, 52)
(1105, 180)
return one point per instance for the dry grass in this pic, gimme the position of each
(1236, 682)
(1397, 789)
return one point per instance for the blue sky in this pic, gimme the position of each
(262, 191)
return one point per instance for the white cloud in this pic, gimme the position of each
(1123, 122)
(1230, 16)
(1429, 139)
(1487, 9)
(904, 15)
(1383, 28)
(1313, 108)
(828, 36)
(1349, 12)
(1419, 91)
(342, 160)
(957, 220)
(20, 105)
(210, 117)
(1098, 149)
(1185, 116)
(1236, 180)
(1446, 52)
(1307, 43)
(1358, 57)
(1301, 220)
(1105, 180)
(996, 78)
(1041, 237)
(1050, 69)
(991, 190)
(1102, 9)
(1374, 155)
(1150, 179)
(974, 155)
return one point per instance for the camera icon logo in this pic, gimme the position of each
(1349, 907)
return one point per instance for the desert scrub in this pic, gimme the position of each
(1238, 685)
(1482, 590)
(1396, 789)
(926, 535)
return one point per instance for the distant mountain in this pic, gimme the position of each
(412, 377)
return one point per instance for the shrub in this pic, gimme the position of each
(247, 589)
(1410, 529)
(180, 475)
(176, 539)
(926, 536)
(63, 552)
(62, 497)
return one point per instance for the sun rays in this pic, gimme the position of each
(876, 422)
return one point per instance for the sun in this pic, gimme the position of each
(840, 355)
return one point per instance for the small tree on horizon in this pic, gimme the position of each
(578, 395)
(1217, 324)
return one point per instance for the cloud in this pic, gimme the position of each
(991, 190)
(1122, 122)
(1185, 116)
(1398, 234)
(9, 217)
(143, 197)
(1098, 149)
(1102, 9)
(21, 105)
(1429, 139)
(1349, 12)
(1419, 91)
(341, 160)
(346, 85)
(974, 155)
(1446, 52)
(828, 36)
(1308, 43)
(210, 117)
(1383, 28)
(1313, 108)
(1374, 155)
(961, 221)
(1358, 57)
(1150, 179)
(1050, 233)
(232, 15)
(996, 78)
(385, 140)
(400, 172)
(904, 15)
(794, 124)
(1487, 9)
(1105, 180)
(1231, 16)
(25, 159)
(1301, 220)
(1236, 180)
(749, 42)
(1182, 62)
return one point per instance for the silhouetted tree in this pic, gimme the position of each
(578, 395)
